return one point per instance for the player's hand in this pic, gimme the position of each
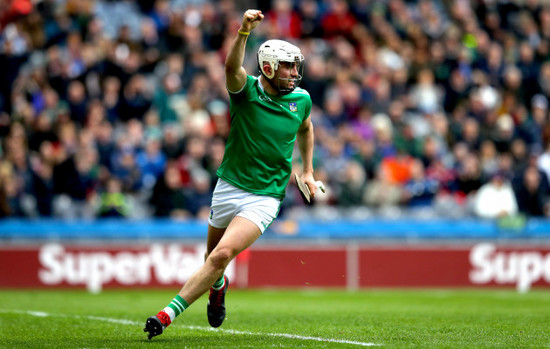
(310, 182)
(251, 19)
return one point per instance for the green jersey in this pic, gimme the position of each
(258, 153)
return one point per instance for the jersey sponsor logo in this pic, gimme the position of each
(265, 98)
(293, 106)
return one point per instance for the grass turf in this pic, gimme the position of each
(261, 319)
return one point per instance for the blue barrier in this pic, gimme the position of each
(151, 230)
(104, 229)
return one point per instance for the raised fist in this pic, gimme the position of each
(251, 19)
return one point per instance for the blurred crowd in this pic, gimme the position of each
(425, 108)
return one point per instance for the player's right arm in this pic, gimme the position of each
(235, 74)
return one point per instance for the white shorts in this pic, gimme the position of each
(229, 201)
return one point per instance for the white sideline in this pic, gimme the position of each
(199, 328)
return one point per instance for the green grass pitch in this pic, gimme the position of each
(280, 319)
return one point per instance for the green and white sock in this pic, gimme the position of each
(176, 307)
(218, 285)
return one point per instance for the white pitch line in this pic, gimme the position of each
(284, 335)
(199, 328)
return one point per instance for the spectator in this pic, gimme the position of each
(532, 199)
(520, 154)
(113, 203)
(43, 184)
(470, 134)
(219, 113)
(111, 98)
(43, 131)
(397, 169)
(495, 199)
(457, 90)
(168, 199)
(199, 195)
(469, 178)
(443, 175)
(76, 180)
(367, 156)
(335, 159)
(169, 98)
(382, 193)
(151, 162)
(338, 20)
(76, 97)
(488, 157)
(136, 99)
(529, 68)
(352, 186)
(543, 162)
(284, 22)
(125, 168)
(406, 142)
(419, 190)
(504, 135)
(424, 95)
(105, 144)
(310, 14)
(172, 143)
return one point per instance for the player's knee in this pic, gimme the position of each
(221, 257)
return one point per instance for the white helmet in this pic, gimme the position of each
(275, 51)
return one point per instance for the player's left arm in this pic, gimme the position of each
(305, 145)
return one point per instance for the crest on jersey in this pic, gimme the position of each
(293, 106)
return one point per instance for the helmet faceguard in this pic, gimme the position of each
(274, 52)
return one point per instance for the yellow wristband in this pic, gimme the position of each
(244, 33)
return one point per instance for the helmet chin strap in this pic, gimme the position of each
(272, 83)
(276, 86)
